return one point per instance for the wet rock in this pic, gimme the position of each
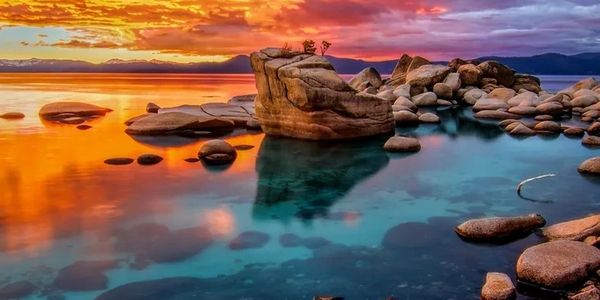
(499, 228)
(149, 159)
(249, 240)
(119, 161)
(84, 127)
(495, 114)
(153, 289)
(498, 286)
(575, 230)
(427, 75)
(425, 99)
(152, 108)
(243, 147)
(470, 74)
(503, 74)
(590, 166)
(293, 89)
(369, 75)
(522, 130)
(217, 152)
(558, 264)
(12, 116)
(402, 144)
(171, 122)
(591, 140)
(84, 275)
(17, 290)
(442, 90)
(405, 118)
(574, 131)
(548, 126)
(429, 118)
(78, 109)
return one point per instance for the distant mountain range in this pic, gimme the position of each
(547, 64)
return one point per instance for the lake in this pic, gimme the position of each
(343, 218)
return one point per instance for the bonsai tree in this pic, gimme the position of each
(324, 47)
(309, 46)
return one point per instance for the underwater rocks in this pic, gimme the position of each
(499, 229)
(71, 112)
(249, 240)
(149, 159)
(166, 288)
(174, 122)
(498, 286)
(402, 144)
(17, 290)
(290, 240)
(301, 96)
(178, 245)
(12, 116)
(575, 230)
(217, 152)
(557, 265)
(590, 166)
(84, 275)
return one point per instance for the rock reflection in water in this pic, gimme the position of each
(459, 121)
(311, 176)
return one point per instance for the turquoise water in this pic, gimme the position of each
(344, 218)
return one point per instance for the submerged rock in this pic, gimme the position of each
(149, 159)
(429, 118)
(402, 144)
(557, 265)
(498, 286)
(217, 152)
(178, 245)
(575, 230)
(12, 116)
(119, 161)
(249, 240)
(164, 288)
(499, 228)
(17, 290)
(84, 275)
(301, 96)
(522, 130)
(590, 166)
(77, 109)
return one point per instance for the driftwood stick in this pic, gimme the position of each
(520, 186)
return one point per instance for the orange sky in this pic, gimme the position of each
(214, 30)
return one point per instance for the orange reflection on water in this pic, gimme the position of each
(220, 221)
(53, 180)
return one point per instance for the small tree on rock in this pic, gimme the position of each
(309, 46)
(324, 47)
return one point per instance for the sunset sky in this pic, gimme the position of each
(215, 30)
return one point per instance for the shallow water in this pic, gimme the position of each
(340, 218)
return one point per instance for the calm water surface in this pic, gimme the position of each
(340, 218)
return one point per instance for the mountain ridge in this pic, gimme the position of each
(547, 64)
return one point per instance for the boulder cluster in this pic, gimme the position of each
(566, 266)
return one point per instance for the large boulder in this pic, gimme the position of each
(503, 74)
(590, 166)
(588, 83)
(489, 104)
(499, 228)
(442, 90)
(524, 99)
(470, 74)
(557, 265)
(527, 82)
(425, 99)
(404, 66)
(369, 75)
(575, 230)
(301, 96)
(473, 95)
(453, 81)
(498, 286)
(427, 75)
(503, 94)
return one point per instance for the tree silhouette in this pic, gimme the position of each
(309, 46)
(324, 47)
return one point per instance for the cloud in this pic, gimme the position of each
(373, 29)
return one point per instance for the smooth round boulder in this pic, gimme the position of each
(78, 109)
(523, 110)
(498, 286)
(119, 161)
(574, 131)
(489, 104)
(495, 115)
(591, 140)
(522, 130)
(594, 129)
(548, 126)
(575, 230)
(425, 99)
(544, 118)
(584, 101)
(402, 144)
(12, 116)
(590, 166)
(152, 108)
(503, 94)
(499, 229)
(557, 265)
(473, 95)
(217, 152)
(550, 108)
(249, 240)
(453, 81)
(469, 74)
(404, 101)
(442, 90)
(405, 118)
(429, 118)
(149, 159)
(170, 122)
